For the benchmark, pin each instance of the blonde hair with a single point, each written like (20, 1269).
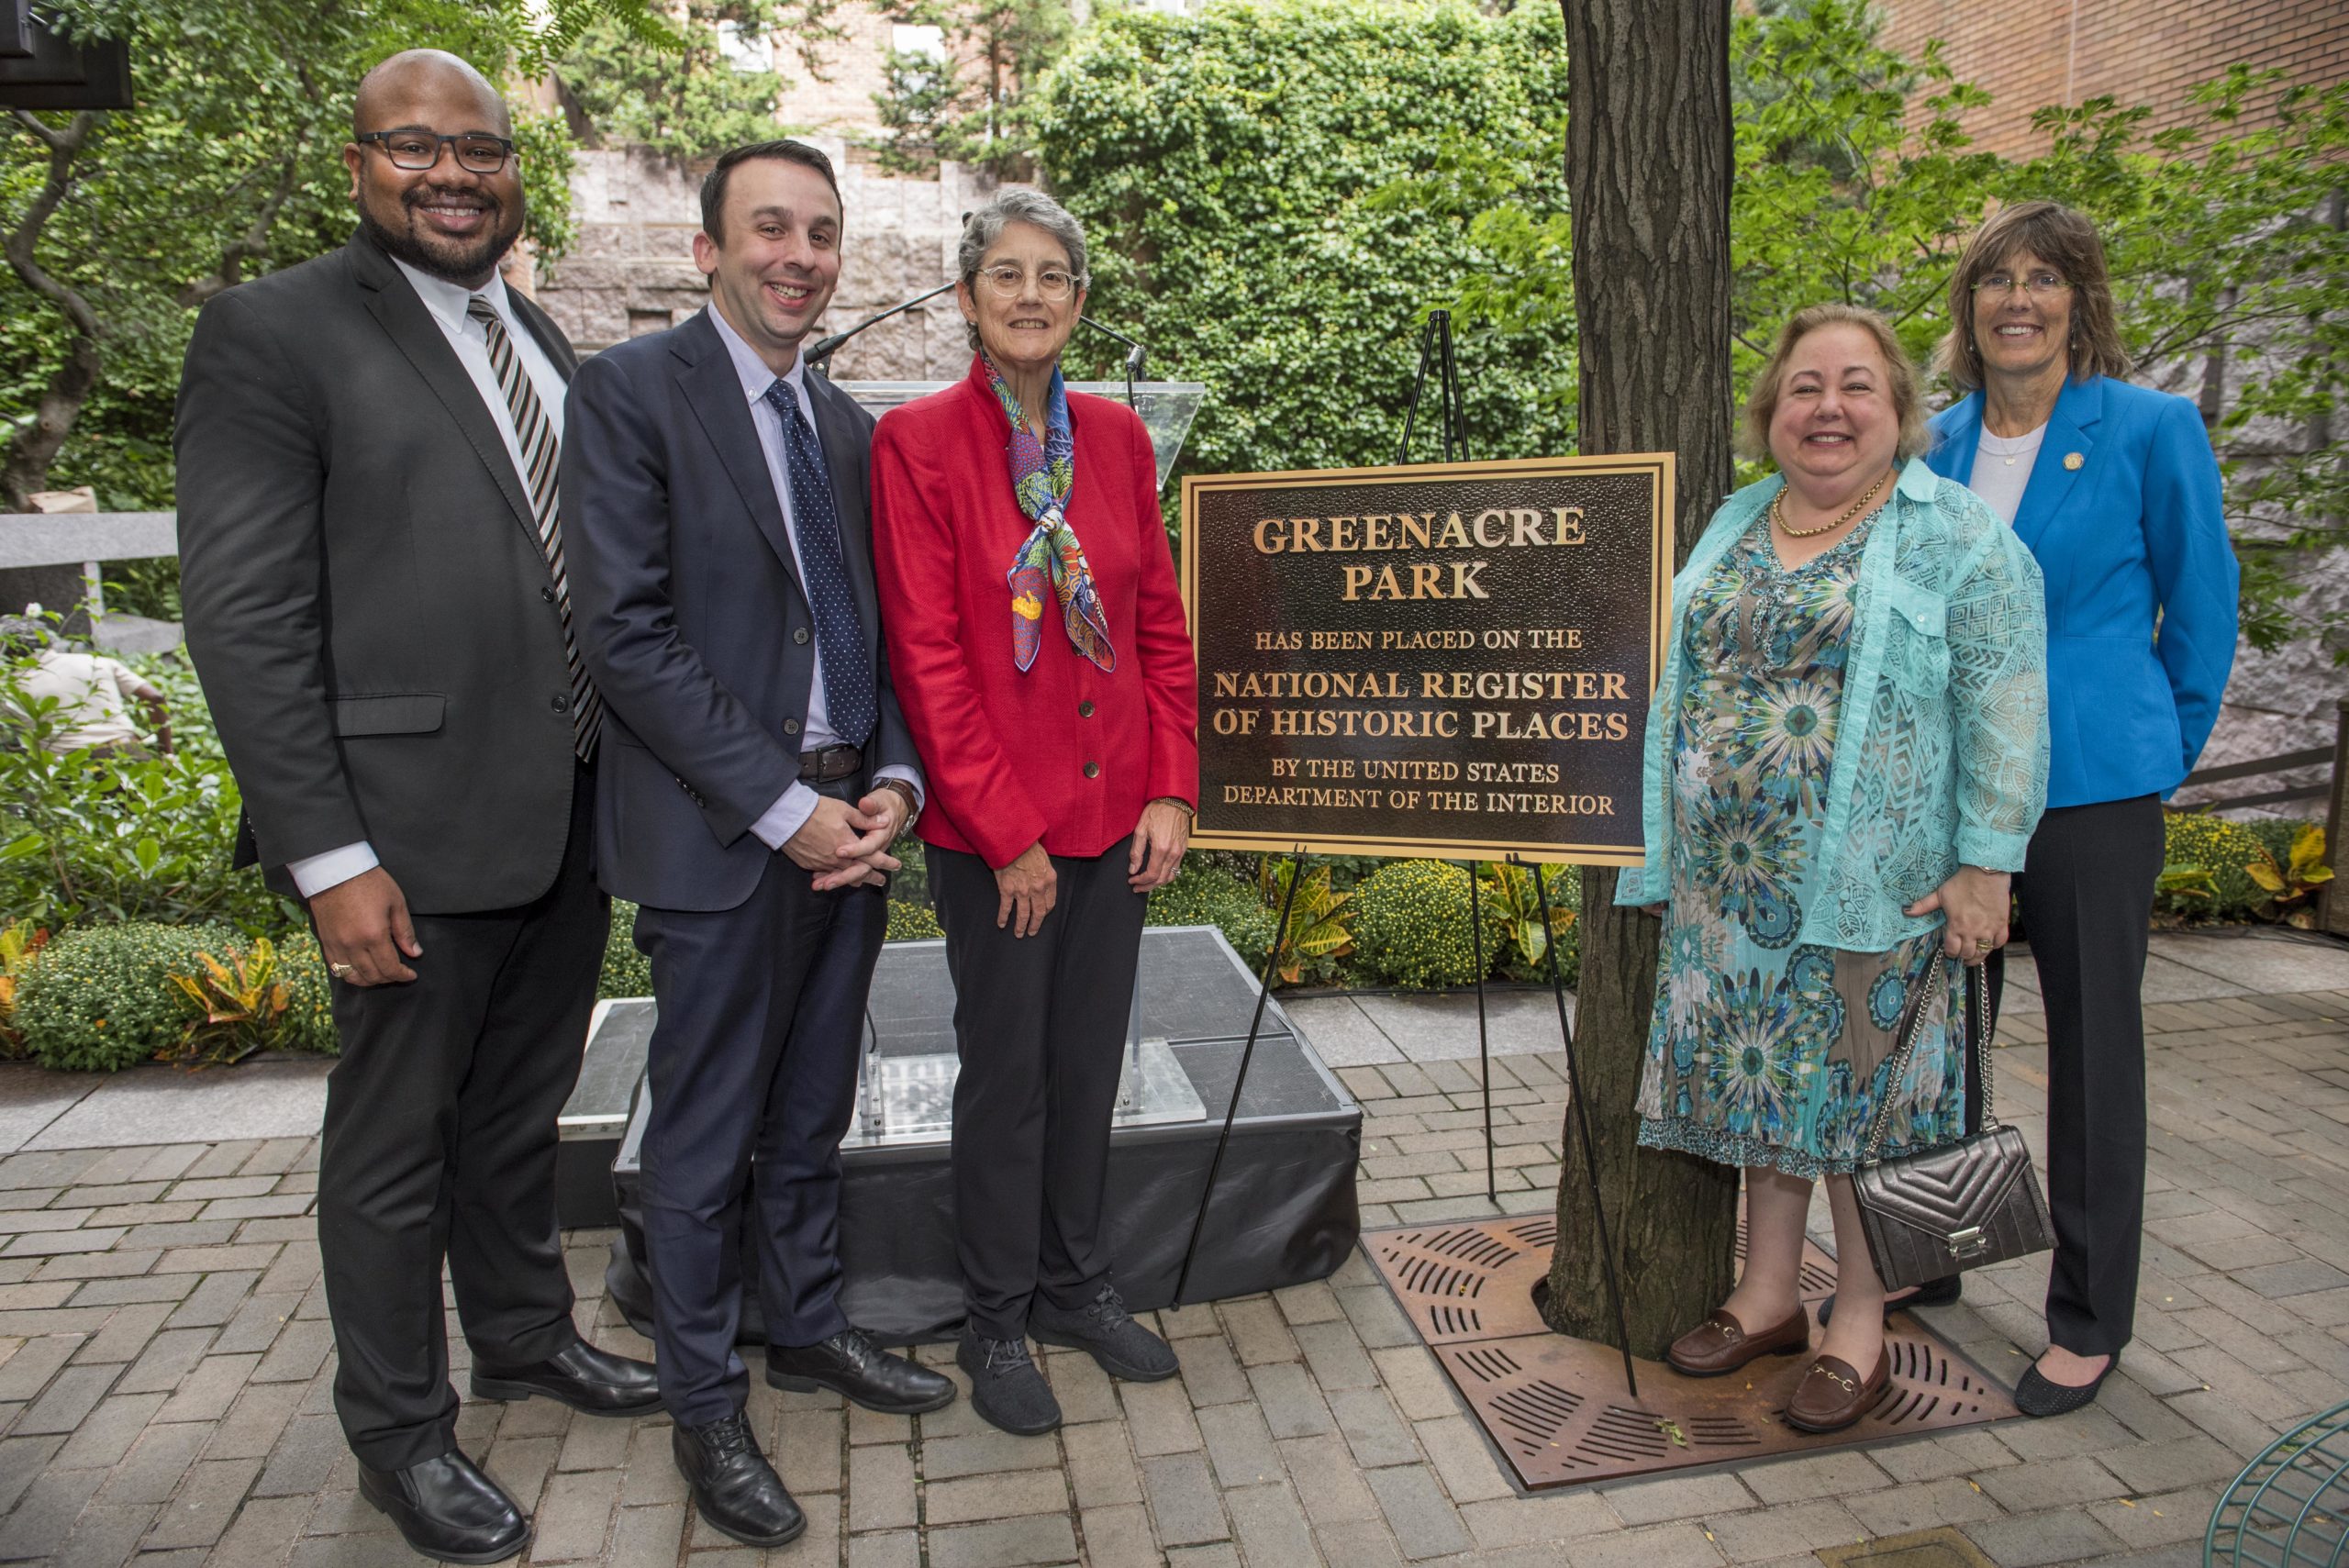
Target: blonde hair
(2066, 241)
(1907, 393)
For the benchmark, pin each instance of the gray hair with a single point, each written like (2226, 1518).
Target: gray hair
(985, 226)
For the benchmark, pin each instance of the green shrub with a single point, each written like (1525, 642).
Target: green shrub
(124, 840)
(101, 997)
(912, 922)
(1225, 165)
(1412, 924)
(308, 1024)
(1205, 894)
(2226, 850)
(2278, 834)
(627, 972)
(910, 881)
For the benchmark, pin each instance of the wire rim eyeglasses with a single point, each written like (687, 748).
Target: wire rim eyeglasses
(2037, 284)
(1007, 282)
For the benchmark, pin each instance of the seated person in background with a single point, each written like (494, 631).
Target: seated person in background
(94, 693)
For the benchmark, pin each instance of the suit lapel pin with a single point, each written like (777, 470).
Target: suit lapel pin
(2074, 461)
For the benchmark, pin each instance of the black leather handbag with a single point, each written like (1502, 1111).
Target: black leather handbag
(1938, 1211)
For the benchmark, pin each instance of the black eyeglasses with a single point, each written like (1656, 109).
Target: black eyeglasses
(478, 152)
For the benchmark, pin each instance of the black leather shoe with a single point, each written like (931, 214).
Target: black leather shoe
(448, 1510)
(733, 1485)
(853, 1366)
(596, 1382)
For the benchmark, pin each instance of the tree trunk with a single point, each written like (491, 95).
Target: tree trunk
(1648, 169)
(24, 464)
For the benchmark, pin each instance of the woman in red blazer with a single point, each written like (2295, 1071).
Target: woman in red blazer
(1037, 644)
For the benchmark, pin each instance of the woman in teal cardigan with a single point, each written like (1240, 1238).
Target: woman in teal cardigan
(1846, 755)
(2115, 490)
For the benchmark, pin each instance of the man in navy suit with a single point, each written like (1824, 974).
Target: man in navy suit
(756, 769)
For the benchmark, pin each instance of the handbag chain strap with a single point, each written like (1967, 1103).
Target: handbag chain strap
(1978, 1030)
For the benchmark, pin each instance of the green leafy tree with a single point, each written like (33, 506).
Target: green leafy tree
(1223, 165)
(715, 88)
(117, 224)
(968, 102)
(1855, 180)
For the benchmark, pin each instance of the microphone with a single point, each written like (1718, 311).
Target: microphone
(1136, 355)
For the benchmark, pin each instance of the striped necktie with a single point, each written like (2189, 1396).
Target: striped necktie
(540, 452)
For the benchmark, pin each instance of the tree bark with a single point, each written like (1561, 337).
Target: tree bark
(1648, 169)
(37, 442)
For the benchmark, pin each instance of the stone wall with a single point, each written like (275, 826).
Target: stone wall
(631, 270)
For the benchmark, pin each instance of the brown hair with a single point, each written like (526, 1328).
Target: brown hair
(1908, 395)
(713, 185)
(2066, 241)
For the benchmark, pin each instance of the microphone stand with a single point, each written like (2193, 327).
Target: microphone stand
(819, 358)
(1135, 356)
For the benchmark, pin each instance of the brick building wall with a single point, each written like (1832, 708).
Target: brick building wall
(2031, 54)
(857, 69)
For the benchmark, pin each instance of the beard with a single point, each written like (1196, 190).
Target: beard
(453, 261)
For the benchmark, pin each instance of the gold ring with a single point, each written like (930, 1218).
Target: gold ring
(339, 970)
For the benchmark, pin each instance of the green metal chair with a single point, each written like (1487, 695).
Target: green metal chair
(2290, 1509)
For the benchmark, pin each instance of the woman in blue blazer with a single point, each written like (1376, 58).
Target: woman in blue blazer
(2114, 489)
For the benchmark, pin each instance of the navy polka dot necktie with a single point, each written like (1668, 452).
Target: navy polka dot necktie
(815, 525)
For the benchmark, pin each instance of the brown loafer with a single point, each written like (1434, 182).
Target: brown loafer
(1720, 1345)
(1832, 1395)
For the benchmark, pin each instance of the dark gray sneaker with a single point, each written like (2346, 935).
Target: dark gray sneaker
(1006, 1388)
(1106, 1332)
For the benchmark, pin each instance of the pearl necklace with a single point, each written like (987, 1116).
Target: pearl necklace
(1778, 512)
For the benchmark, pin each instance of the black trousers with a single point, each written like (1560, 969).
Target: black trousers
(2086, 891)
(440, 1143)
(1040, 1023)
(752, 1074)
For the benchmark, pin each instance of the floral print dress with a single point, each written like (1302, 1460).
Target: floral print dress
(1762, 1052)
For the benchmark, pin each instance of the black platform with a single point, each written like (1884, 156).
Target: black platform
(1284, 1210)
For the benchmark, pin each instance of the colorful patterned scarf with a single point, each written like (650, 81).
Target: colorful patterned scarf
(1042, 475)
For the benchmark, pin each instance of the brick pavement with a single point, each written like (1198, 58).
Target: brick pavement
(165, 1362)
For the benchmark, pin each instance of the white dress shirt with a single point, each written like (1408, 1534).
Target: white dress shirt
(446, 302)
(797, 802)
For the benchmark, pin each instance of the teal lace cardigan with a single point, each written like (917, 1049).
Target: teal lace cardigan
(1940, 755)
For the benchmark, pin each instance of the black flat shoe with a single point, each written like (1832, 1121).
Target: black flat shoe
(2037, 1395)
(1932, 1292)
(594, 1382)
(733, 1485)
(853, 1366)
(448, 1510)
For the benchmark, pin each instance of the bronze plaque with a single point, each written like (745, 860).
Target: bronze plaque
(1451, 659)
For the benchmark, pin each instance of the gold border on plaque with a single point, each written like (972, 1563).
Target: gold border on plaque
(1662, 465)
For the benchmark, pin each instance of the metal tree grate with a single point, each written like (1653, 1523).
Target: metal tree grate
(1555, 1407)
(2287, 1508)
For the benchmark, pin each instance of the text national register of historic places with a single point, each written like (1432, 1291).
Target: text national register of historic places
(1451, 659)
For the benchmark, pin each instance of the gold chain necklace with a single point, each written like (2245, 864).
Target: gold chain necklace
(1778, 512)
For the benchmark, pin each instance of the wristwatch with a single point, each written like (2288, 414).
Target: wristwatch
(913, 801)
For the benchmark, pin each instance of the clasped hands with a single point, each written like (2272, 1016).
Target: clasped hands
(847, 846)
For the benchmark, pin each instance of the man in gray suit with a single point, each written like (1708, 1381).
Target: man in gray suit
(755, 769)
(372, 562)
